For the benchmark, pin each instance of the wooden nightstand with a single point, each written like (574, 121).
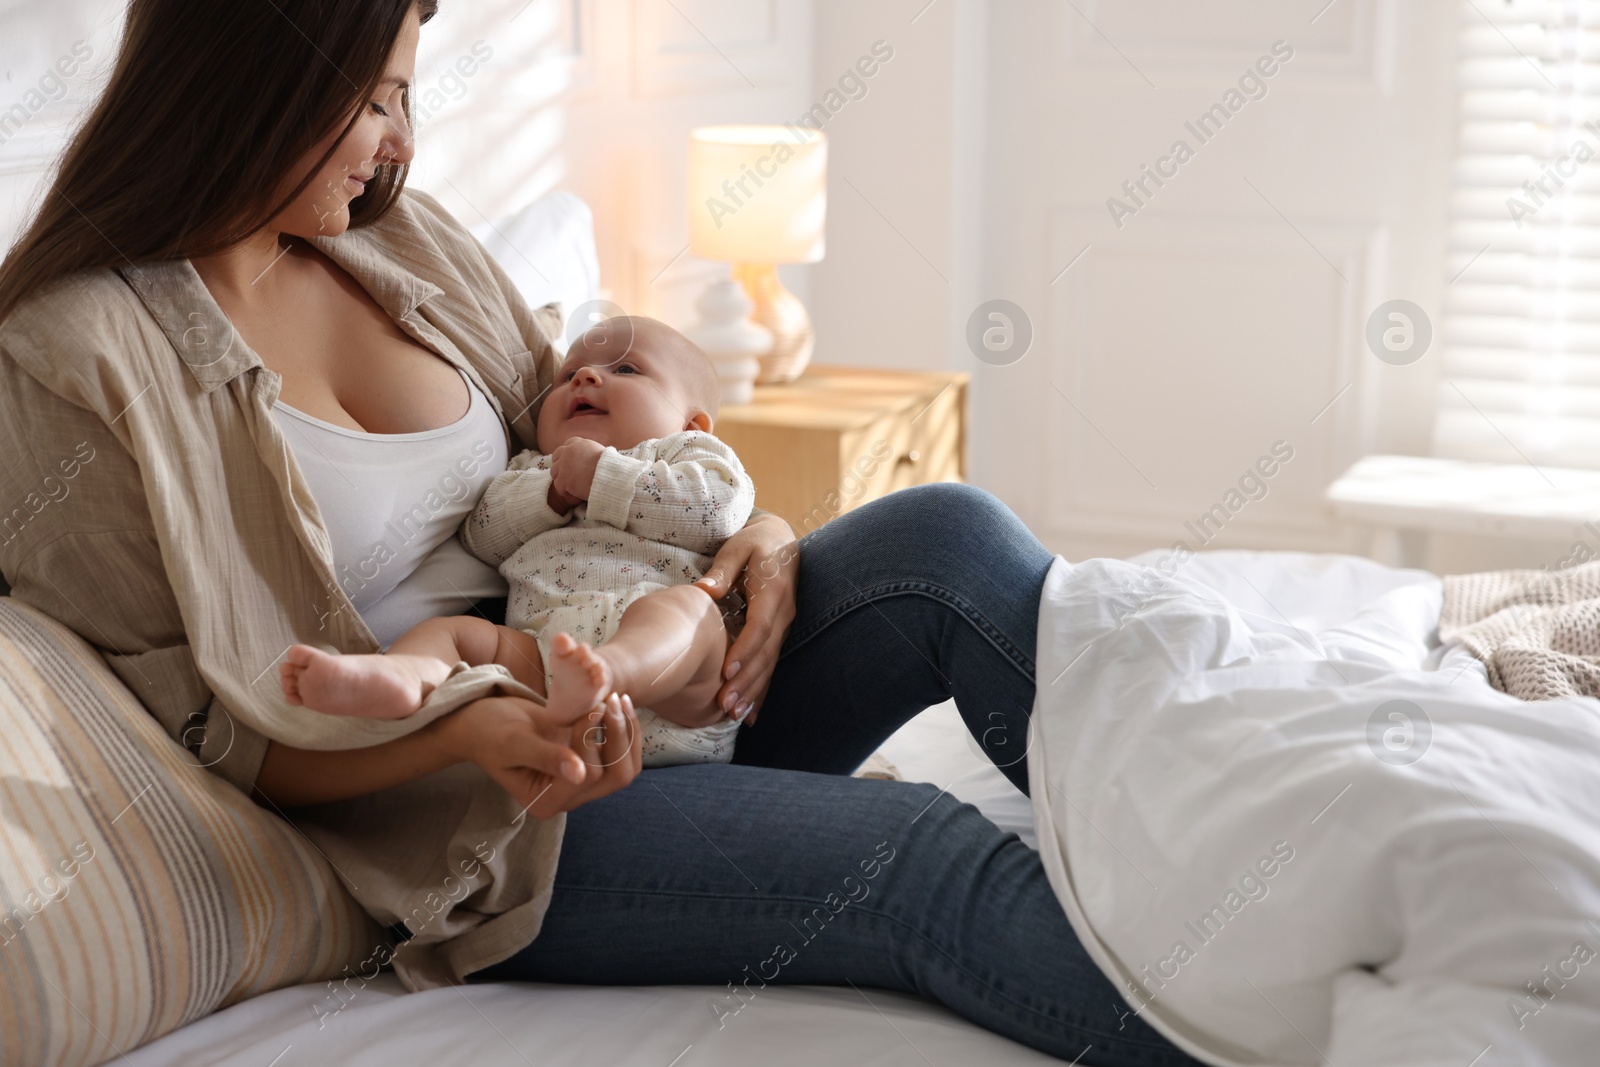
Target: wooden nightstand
(838, 437)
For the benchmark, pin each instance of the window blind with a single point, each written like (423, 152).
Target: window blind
(1521, 330)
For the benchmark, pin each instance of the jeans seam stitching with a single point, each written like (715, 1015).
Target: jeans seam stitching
(975, 618)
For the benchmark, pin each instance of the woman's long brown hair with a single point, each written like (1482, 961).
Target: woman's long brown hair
(210, 107)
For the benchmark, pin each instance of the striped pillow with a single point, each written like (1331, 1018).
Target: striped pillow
(138, 892)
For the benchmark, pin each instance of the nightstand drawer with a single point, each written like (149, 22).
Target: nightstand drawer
(933, 441)
(839, 437)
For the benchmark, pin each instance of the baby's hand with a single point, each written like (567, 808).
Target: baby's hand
(572, 467)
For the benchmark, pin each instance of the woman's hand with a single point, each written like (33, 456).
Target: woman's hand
(763, 560)
(547, 768)
(607, 740)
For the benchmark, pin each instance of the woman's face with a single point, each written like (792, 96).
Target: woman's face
(380, 135)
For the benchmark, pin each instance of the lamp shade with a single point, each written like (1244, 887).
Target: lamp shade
(757, 194)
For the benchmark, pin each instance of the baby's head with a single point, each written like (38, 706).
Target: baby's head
(628, 380)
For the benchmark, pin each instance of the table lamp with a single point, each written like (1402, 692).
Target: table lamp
(757, 198)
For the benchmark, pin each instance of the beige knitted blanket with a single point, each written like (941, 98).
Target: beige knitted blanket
(1538, 632)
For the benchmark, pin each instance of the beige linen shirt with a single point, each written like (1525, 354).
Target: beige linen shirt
(149, 502)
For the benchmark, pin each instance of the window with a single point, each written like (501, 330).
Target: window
(1521, 330)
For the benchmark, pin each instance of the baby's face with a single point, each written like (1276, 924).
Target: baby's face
(621, 384)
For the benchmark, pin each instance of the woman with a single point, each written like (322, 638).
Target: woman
(228, 296)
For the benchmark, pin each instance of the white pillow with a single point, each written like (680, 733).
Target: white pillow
(548, 250)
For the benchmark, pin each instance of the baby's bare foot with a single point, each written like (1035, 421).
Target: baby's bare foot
(372, 687)
(579, 679)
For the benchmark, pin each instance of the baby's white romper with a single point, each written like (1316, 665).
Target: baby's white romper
(656, 515)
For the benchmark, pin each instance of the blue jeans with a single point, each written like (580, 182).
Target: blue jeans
(781, 869)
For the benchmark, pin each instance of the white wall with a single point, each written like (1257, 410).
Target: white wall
(596, 96)
(1216, 321)
(896, 244)
(38, 105)
(974, 164)
(599, 96)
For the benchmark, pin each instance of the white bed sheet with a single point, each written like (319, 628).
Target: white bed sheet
(554, 1026)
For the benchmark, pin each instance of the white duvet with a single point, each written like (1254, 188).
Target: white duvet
(1304, 839)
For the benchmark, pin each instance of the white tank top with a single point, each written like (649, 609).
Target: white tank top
(392, 503)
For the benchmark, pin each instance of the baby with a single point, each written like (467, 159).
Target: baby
(599, 534)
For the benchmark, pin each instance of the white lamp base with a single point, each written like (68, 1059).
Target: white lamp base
(781, 312)
(734, 344)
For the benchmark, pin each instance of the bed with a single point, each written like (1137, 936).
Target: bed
(662, 1026)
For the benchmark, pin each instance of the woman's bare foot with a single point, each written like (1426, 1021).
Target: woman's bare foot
(580, 678)
(369, 686)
